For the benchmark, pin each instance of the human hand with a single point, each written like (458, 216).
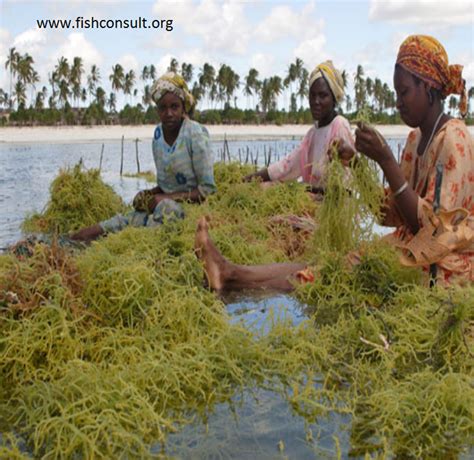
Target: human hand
(141, 200)
(345, 151)
(371, 143)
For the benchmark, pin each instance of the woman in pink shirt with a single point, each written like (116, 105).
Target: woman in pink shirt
(310, 159)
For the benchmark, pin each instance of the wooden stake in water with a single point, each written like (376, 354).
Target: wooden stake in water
(121, 158)
(136, 155)
(101, 156)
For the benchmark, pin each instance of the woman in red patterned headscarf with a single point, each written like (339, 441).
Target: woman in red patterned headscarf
(435, 224)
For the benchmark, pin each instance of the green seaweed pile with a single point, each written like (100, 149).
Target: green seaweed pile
(106, 352)
(78, 198)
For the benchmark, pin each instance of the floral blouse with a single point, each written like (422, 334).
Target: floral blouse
(310, 159)
(452, 146)
(187, 164)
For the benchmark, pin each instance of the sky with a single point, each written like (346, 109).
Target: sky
(267, 35)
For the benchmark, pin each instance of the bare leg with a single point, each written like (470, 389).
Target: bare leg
(88, 234)
(223, 274)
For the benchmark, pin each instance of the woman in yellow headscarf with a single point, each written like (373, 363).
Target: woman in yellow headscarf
(183, 160)
(309, 160)
(440, 241)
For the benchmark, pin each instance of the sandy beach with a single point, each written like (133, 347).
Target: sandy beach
(82, 134)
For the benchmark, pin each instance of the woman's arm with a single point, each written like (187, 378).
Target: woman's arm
(371, 143)
(262, 175)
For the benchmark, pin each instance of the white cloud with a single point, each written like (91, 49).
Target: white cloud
(31, 41)
(312, 51)
(5, 39)
(264, 63)
(129, 62)
(162, 65)
(427, 12)
(220, 25)
(284, 22)
(77, 45)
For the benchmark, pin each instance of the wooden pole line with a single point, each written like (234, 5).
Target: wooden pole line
(121, 158)
(101, 156)
(136, 154)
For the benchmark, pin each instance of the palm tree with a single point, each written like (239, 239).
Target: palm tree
(64, 92)
(100, 97)
(378, 94)
(470, 94)
(61, 79)
(197, 92)
(152, 72)
(251, 83)
(452, 104)
(52, 79)
(34, 79)
(389, 100)
(20, 94)
(4, 98)
(369, 88)
(359, 88)
(206, 79)
(93, 79)
(303, 88)
(26, 73)
(39, 103)
(187, 72)
(265, 95)
(117, 78)
(12, 62)
(290, 78)
(128, 84)
(227, 83)
(344, 79)
(348, 103)
(147, 100)
(62, 69)
(173, 67)
(111, 102)
(145, 75)
(75, 76)
(276, 87)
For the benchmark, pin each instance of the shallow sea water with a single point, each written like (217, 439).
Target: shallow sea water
(260, 419)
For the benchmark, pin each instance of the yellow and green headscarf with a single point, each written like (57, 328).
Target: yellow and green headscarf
(425, 57)
(172, 83)
(332, 76)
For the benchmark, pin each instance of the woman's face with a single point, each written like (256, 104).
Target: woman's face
(412, 97)
(171, 111)
(321, 101)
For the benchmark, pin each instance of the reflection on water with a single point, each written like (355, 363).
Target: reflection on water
(259, 424)
(26, 171)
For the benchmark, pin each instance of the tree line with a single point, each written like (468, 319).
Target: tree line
(77, 97)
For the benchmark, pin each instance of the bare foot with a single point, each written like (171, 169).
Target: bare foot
(214, 262)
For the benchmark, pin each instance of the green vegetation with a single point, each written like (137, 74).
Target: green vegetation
(79, 98)
(106, 351)
(78, 199)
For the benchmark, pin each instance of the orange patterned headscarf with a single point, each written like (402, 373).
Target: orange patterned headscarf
(425, 57)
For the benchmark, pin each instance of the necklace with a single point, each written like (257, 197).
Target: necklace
(432, 134)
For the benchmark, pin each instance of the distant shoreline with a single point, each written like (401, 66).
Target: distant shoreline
(85, 134)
